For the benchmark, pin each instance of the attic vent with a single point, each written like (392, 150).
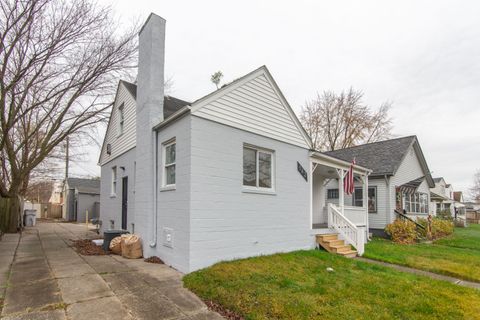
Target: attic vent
(109, 149)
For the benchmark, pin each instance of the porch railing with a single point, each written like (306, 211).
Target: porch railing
(351, 233)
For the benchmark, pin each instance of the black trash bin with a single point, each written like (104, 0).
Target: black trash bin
(108, 236)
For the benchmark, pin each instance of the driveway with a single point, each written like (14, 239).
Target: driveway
(42, 277)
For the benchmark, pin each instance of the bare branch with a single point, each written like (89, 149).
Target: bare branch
(60, 62)
(336, 121)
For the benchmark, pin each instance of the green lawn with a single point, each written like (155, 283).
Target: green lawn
(297, 286)
(457, 255)
(468, 238)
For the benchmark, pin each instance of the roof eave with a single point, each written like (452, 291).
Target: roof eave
(175, 116)
(323, 156)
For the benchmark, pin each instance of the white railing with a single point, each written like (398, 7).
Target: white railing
(350, 232)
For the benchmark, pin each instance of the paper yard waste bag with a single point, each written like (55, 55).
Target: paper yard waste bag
(116, 244)
(132, 247)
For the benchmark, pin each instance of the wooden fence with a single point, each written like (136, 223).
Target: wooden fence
(10, 222)
(54, 211)
(473, 217)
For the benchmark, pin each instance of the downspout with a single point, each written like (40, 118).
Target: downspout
(367, 224)
(389, 200)
(153, 244)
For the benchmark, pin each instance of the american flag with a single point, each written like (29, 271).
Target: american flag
(348, 182)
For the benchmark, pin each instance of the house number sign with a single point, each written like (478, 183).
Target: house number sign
(302, 171)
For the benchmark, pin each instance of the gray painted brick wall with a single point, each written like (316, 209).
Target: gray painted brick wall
(226, 223)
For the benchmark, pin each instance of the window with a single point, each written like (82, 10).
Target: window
(332, 194)
(169, 162)
(114, 181)
(121, 118)
(416, 202)
(372, 198)
(257, 168)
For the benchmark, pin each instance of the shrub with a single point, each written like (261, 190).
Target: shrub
(440, 227)
(402, 231)
(444, 215)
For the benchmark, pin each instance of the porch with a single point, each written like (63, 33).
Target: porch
(332, 210)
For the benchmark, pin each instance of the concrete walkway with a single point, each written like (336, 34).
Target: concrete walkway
(44, 278)
(432, 275)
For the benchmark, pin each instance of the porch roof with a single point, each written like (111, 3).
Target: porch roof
(323, 159)
(435, 196)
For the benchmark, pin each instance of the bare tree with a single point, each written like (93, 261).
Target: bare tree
(475, 189)
(59, 66)
(40, 191)
(336, 121)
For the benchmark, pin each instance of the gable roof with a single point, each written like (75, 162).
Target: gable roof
(384, 157)
(437, 180)
(91, 186)
(170, 104)
(237, 83)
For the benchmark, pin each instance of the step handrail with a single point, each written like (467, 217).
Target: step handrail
(350, 232)
(403, 216)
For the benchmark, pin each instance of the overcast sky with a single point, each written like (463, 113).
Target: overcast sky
(424, 56)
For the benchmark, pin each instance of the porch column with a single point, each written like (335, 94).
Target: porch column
(341, 200)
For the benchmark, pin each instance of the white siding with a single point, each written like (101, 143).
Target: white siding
(410, 169)
(111, 206)
(257, 107)
(227, 223)
(375, 220)
(126, 141)
(378, 220)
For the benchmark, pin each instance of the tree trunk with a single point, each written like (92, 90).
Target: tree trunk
(10, 214)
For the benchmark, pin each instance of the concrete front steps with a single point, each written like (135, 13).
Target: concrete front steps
(332, 244)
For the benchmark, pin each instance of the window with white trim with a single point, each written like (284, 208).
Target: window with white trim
(372, 199)
(258, 168)
(121, 118)
(416, 202)
(113, 190)
(169, 163)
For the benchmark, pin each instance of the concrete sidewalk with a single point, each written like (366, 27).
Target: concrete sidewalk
(47, 279)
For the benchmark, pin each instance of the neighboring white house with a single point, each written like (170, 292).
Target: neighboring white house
(400, 179)
(227, 176)
(442, 197)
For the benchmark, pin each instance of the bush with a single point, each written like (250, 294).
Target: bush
(445, 215)
(440, 227)
(402, 231)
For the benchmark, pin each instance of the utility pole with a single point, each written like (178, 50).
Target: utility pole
(66, 158)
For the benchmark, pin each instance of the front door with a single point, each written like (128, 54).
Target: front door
(124, 202)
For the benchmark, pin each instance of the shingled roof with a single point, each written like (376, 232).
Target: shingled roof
(383, 157)
(170, 104)
(91, 186)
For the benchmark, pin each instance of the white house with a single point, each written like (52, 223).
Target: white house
(227, 176)
(400, 180)
(441, 196)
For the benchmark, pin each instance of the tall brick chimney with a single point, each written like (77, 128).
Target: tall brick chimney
(150, 95)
